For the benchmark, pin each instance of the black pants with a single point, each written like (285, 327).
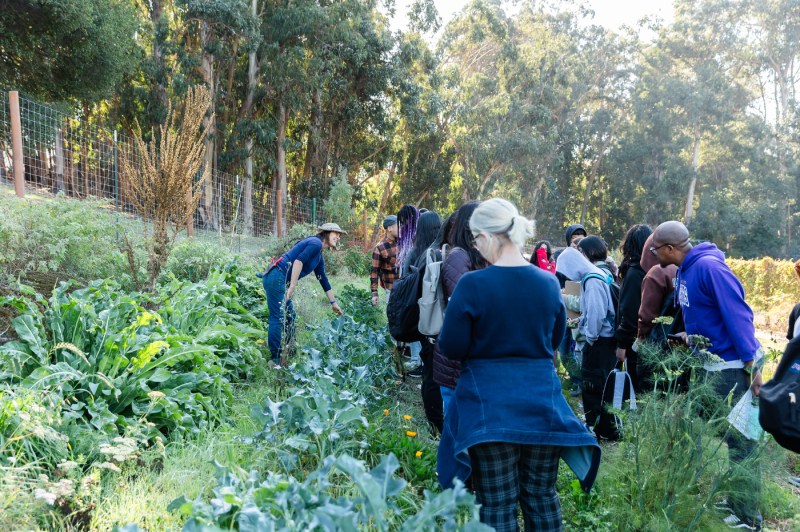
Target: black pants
(431, 395)
(641, 374)
(598, 361)
(745, 496)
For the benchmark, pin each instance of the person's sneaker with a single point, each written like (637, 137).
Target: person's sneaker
(722, 506)
(734, 522)
(794, 481)
(416, 372)
(275, 363)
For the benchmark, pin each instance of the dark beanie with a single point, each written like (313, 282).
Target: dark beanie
(389, 221)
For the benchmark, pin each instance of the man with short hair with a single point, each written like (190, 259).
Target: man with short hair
(384, 259)
(713, 304)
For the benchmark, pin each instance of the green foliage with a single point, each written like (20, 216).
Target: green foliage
(358, 261)
(67, 49)
(672, 464)
(338, 207)
(124, 369)
(27, 433)
(282, 502)
(192, 260)
(357, 302)
(417, 456)
(63, 239)
(276, 246)
(332, 391)
(767, 281)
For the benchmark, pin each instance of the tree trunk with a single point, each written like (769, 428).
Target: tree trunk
(3, 169)
(58, 184)
(85, 150)
(280, 159)
(207, 67)
(247, 189)
(384, 201)
(160, 89)
(72, 187)
(44, 156)
(315, 159)
(693, 183)
(589, 184)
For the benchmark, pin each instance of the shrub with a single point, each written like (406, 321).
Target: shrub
(192, 260)
(672, 465)
(358, 261)
(766, 280)
(66, 238)
(338, 207)
(275, 246)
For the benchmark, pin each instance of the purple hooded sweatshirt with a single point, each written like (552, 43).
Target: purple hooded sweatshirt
(713, 305)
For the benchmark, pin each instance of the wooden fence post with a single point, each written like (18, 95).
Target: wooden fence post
(16, 144)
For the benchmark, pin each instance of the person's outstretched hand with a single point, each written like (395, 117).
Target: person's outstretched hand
(755, 386)
(337, 309)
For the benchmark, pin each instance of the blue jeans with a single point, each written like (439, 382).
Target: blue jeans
(275, 287)
(570, 360)
(447, 396)
(416, 348)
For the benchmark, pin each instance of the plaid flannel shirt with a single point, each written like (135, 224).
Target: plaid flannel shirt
(384, 269)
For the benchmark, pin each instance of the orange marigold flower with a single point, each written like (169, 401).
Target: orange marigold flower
(407, 417)
(419, 454)
(386, 412)
(411, 434)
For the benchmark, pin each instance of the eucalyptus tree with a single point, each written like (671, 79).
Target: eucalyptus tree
(535, 99)
(66, 50)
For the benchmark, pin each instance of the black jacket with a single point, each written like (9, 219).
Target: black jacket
(456, 264)
(630, 298)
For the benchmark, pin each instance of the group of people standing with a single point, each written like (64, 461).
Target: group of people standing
(489, 381)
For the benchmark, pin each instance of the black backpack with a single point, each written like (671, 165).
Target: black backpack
(779, 401)
(402, 311)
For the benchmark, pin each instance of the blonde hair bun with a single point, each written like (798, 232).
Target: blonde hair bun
(498, 216)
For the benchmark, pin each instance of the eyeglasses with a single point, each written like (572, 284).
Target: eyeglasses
(654, 249)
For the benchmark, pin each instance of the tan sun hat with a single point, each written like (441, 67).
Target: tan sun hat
(330, 226)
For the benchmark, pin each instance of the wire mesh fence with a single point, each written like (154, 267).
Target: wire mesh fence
(65, 153)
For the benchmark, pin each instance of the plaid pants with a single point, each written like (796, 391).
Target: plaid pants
(507, 474)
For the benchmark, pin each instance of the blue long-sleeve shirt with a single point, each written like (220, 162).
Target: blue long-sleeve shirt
(504, 323)
(503, 312)
(309, 252)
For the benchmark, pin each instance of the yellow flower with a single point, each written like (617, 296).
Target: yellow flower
(407, 417)
(386, 412)
(411, 434)
(259, 341)
(419, 454)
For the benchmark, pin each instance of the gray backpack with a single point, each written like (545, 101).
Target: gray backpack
(432, 303)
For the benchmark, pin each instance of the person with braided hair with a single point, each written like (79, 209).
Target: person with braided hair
(407, 221)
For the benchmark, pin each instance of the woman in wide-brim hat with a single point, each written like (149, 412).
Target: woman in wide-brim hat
(281, 279)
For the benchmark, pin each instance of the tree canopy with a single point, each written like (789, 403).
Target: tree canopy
(539, 104)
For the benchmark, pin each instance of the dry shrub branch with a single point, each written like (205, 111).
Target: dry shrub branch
(165, 178)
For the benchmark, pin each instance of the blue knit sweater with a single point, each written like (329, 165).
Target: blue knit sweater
(504, 323)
